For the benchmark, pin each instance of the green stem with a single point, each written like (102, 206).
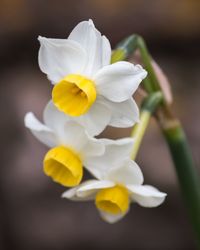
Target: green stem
(146, 58)
(148, 107)
(139, 131)
(186, 172)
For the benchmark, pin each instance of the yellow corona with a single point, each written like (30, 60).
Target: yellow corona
(74, 95)
(63, 166)
(114, 200)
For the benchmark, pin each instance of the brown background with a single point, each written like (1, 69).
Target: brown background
(32, 214)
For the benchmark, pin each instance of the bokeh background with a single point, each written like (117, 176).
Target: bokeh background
(32, 214)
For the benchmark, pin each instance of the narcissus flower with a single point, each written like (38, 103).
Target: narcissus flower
(71, 146)
(119, 184)
(86, 86)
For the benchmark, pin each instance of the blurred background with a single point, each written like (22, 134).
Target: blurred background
(32, 214)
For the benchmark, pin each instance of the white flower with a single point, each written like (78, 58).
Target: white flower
(71, 146)
(119, 184)
(87, 87)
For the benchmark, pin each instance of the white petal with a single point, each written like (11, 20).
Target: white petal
(124, 114)
(146, 196)
(39, 130)
(111, 218)
(118, 81)
(71, 133)
(93, 147)
(116, 151)
(91, 187)
(60, 57)
(54, 118)
(129, 173)
(96, 119)
(71, 194)
(97, 47)
(106, 51)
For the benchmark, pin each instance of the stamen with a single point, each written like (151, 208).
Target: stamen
(76, 90)
(83, 94)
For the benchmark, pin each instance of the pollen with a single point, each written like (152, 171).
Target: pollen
(63, 166)
(74, 95)
(83, 94)
(114, 200)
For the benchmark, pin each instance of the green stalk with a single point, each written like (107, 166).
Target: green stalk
(186, 172)
(146, 58)
(139, 131)
(148, 107)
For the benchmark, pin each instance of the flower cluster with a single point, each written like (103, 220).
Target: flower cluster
(88, 94)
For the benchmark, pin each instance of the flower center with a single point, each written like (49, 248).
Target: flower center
(63, 166)
(74, 95)
(114, 200)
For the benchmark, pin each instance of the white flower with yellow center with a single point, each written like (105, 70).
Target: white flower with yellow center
(119, 184)
(86, 86)
(71, 146)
